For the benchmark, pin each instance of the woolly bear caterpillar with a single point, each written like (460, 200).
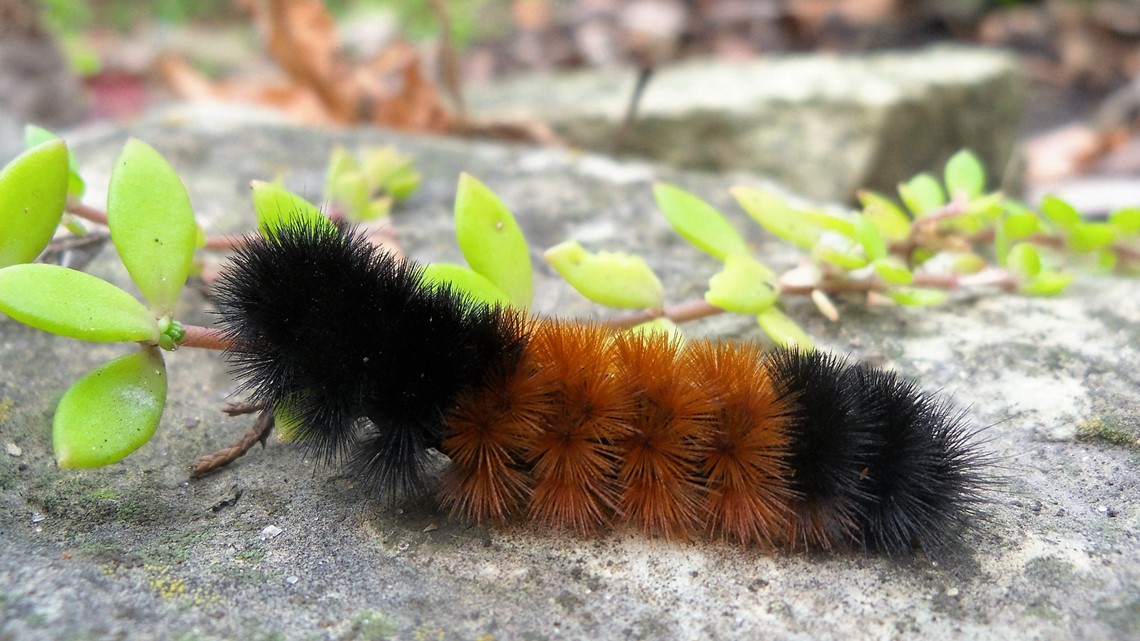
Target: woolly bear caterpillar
(572, 426)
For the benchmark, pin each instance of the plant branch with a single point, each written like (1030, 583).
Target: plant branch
(257, 434)
(87, 212)
(926, 225)
(99, 217)
(204, 338)
(225, 243)
(696, 309)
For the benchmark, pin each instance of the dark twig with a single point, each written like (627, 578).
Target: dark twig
(643, 76)
(448, 58)
(75, 252)
(258, 434)
(242, 408)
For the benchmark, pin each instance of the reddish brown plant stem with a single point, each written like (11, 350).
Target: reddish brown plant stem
(257, 434)
(203, 337)
(696, 309)
(86, 212)
(925, 225)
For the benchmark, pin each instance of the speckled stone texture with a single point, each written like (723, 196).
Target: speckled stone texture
(134, 551)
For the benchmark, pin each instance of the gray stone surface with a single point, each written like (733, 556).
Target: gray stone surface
(134, 551)
(823, 124)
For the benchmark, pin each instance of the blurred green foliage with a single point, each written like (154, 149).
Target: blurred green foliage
(417, 18)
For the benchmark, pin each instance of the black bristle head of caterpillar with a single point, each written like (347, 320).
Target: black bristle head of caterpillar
(348, 341)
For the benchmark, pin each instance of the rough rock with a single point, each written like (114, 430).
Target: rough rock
(825, 125)
(136, 551)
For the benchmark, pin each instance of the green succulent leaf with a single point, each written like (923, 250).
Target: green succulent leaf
(286, 421)
(72, 303)
(33, 193)
(1104, 261)
(658, 325)
(390, 171)
(345, 183)
(152, 223)
(843, 255)
(73, 225)
(351, 192)
(1090, 237)
(610, 279)
(1023, 260)
(892, 221)
(830, 222)
(35, 136)
(170, 333)
(277, 206)
(967, 263)
(698, 222)
(1046, 284)
(1002, 241)
(988, 207)
(381, 163)
(403, 185)
(1059, 212)
(893, 270)
(965, 174)
(110, 412)
(742, 286)
(377, 209)
(964, 223)
(1021, 225)
(922, 254)
(491, 240)
(465, 281)
(922, 194)
(341, 162)
(874, 246)
(775, 215)
(1126, 221)
(783, 330)
(916, 296)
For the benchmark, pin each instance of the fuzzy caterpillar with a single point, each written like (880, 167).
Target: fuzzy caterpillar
(572, 426)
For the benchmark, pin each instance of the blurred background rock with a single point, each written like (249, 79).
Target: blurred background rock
(1080, 58)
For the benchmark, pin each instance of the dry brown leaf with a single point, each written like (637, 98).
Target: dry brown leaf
(301, 37)
(1062, 152)
(298, 103)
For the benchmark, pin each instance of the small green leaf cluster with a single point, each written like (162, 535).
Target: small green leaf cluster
(364, 187)
(115, 408)
(499, 269)
(744, 285)
(935, 232)
(909, 253)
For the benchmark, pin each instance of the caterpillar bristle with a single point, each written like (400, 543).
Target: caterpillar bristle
(328, 327)
(573, 454)
(490, 428)
(828, 449)
(922, 479)
(571, 426)
(660, 472)
(745, 467)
